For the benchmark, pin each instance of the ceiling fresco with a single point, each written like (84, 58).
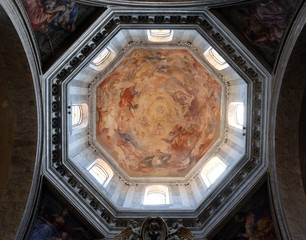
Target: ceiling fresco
(158, 112)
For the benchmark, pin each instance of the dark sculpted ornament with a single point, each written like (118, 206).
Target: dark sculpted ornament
(155, 229)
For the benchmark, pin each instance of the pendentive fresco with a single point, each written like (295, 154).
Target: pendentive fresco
(262, 24)
(57, 23)
(56, 220)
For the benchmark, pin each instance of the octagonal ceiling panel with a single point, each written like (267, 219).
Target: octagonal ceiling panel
(158, 112)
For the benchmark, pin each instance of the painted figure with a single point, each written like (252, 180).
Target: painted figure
(42, 13)
(53, 226)
(258, 225)
(66, 20)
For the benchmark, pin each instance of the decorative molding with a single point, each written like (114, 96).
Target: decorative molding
(246, 169)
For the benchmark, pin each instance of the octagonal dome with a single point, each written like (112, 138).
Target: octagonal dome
(158, 112)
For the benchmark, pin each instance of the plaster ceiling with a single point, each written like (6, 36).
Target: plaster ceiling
(158, 112)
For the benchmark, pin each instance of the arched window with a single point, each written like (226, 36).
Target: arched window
(104, 54)
(76, 112)
(79, 116)
(156, 195)
(160, 35)
(101, 171)
(98, 173)
(215, 59)
(105, 57)
(212, 170)
(236, 114)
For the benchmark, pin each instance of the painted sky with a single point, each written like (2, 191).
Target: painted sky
(158, 112)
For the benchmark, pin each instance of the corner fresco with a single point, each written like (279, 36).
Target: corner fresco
(158, 113)
(253, 221)
(56, 23)
(55, 220)
(262, 24)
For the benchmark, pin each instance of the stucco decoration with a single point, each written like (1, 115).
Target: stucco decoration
(158, 112)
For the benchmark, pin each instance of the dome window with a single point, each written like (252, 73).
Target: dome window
(76, 112)
(156, 195)
(162, 35)
(236, 114)
(101, 171)
(212, 170)
(102, 57)
(215, 59)
(99, 174)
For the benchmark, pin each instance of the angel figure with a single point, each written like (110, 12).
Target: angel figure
(179, 233)
(130, 233)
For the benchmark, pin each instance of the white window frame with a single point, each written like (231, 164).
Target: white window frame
(93, 171)
(215, 59)
(103, 165)
(154, 37)
(209, 167)
(233, 119)
(103, 63)
(153, 189)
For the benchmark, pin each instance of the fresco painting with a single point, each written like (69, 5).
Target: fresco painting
(158, 112)
(253, 221)
(55, 221)
(263, 24)
(55, 23)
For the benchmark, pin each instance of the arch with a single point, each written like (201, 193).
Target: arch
(21, 124)
(286, 177)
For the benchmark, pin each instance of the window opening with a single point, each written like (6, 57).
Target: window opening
(160, 35)
(102, 56)
(215, 173)
(212, 170)
(76, 111)
(236, 114)
(215, 59)
(98, 173)
(156, 195)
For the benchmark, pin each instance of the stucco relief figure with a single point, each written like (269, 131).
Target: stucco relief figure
(258, 225)
(158, 112)
(130, 233)
(178, 232)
